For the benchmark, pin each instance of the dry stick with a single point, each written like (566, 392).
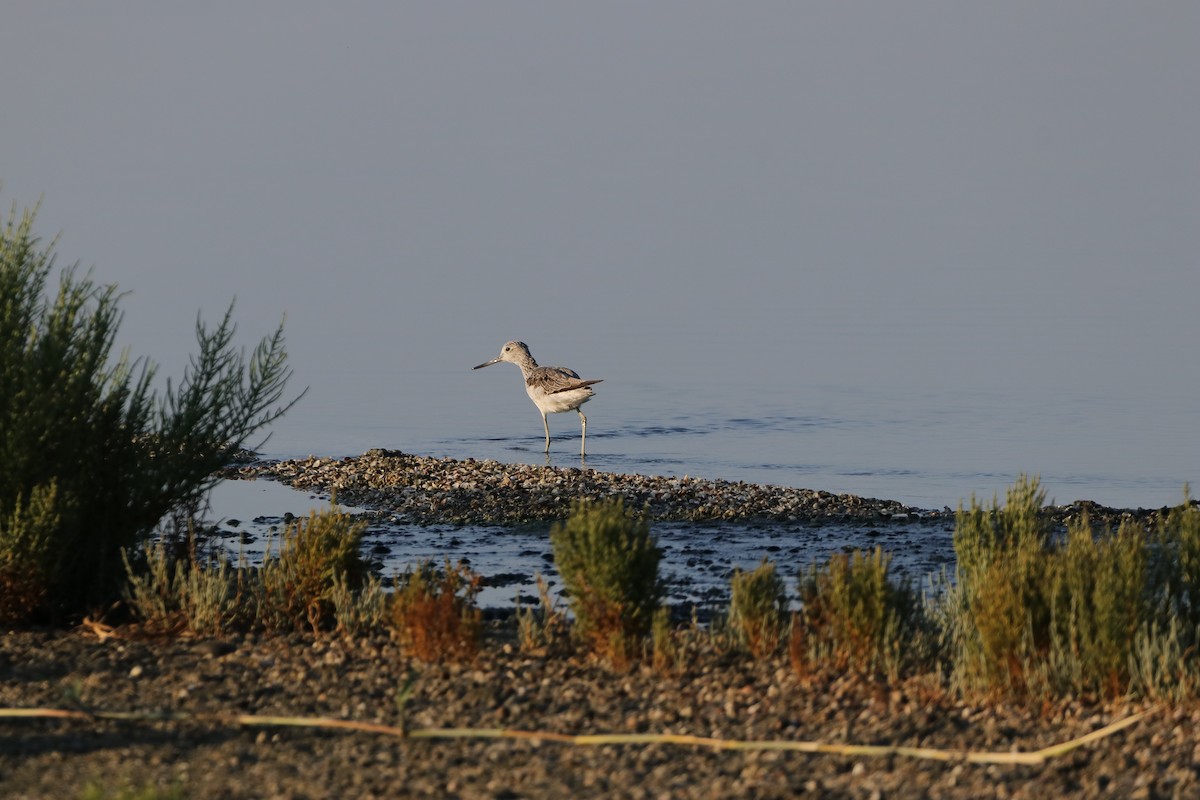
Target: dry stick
(592, 740)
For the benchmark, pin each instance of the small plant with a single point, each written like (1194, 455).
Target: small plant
(667, 652)
(1175, 563)
(1090, 612)
(758, 608)
(854, 617)
(25, 552)
(170, 595)
(609, 563)
(540, 629)
(434, 615)
(298, 586)
(358, 611)
(1002, 605)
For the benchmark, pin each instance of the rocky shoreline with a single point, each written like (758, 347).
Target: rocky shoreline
(427, 490)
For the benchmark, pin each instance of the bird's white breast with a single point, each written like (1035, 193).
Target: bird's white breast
(558, 402)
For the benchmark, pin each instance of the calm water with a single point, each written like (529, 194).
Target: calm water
(925, 448)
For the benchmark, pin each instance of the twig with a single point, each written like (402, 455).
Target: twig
(590, 740)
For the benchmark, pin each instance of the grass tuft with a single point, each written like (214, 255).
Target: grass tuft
(1002, 601)
(358, 611)
(667, 651)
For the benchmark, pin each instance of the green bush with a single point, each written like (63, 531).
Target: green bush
(667, 653)
(91, 457)
(25, 542)
(1097, 586)
(609, 564)
(854, 617)
(758, 608)
(1163, 660)
(1088, 612)
(1175, 563)
(358, 610)
(317, 580)
(1001, 607)
(318, 562)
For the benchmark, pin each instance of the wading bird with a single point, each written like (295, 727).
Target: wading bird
(552, 389)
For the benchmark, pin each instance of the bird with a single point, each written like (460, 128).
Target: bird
(552, 389)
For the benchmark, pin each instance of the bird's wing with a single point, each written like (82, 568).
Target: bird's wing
(556, 379)
(575, 385)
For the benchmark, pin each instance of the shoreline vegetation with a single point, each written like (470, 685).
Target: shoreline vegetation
(1034, 607)
(301, 673)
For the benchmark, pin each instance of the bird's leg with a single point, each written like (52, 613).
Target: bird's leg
(546, 425)
(583, 438)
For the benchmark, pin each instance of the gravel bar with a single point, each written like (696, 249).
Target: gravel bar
(426, 490)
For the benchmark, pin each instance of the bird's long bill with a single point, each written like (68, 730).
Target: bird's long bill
(487, 363)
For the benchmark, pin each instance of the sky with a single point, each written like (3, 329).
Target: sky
(912, 195)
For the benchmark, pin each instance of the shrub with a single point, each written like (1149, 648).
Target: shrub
(1163, 662)
(358, 610)
(25, 541)
(316, 580)
(1089, 612)
(609, 564)
(1001, 608)
(299, 586)
(86, 446)
(171, 595)
(757, 608)
(434, 614)
(853, 616)
(1175, 563)
(1099, 601)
